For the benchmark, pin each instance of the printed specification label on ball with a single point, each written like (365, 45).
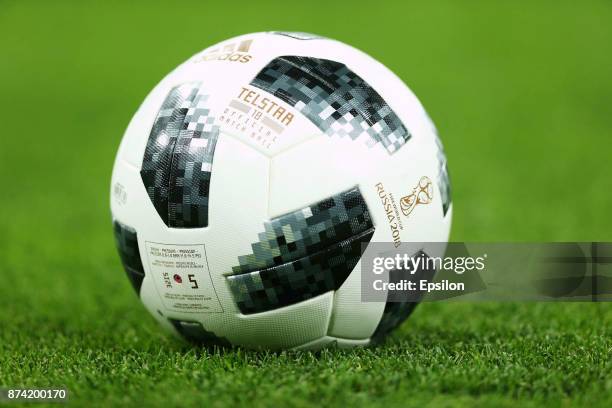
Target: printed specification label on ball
(182, 278)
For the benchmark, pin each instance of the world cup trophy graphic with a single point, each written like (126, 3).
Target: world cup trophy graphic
(421, 194)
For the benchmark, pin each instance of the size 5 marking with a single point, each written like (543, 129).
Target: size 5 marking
(182, 278)
(33, 394)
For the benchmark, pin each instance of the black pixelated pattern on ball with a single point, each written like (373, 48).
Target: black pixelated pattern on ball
(308, 230)
(191, 166)
(303, 254)
(298, 280)
(444, 184)
(334, 98)
(126, 240)
(177, 163)
(155, 171)
(195, 333)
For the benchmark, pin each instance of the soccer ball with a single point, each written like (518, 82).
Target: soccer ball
(252, 176)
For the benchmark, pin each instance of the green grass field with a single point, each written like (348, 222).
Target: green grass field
(521, 93)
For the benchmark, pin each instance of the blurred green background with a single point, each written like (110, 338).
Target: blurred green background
(521, 93)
